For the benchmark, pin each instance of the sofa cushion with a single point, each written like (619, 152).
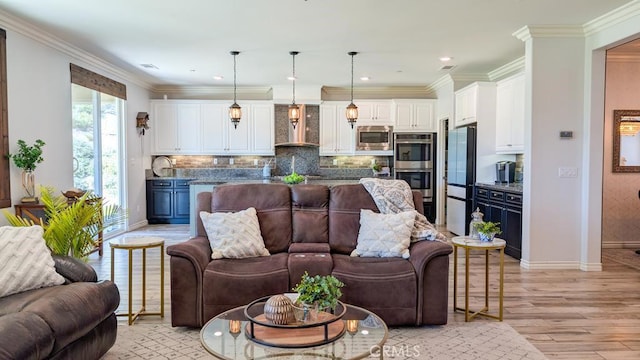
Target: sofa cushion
(25, 260)
(310, 211)
(234, 235)
(365, 277)
(272, 202)
(384, 235)
(71, 311)
(345, 203)
(228, 283)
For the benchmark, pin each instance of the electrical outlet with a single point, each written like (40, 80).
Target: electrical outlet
(373, 161)
(173, 161)
(231, 161)
(335, 162)
(255, 161)
(215, 161)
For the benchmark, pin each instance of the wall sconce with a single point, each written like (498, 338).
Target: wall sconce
(142, 120)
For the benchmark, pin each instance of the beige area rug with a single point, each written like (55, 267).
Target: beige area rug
(622, 256)
(474, 340)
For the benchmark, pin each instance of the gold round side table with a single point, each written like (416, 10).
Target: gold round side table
(137, 243)
(469, 244)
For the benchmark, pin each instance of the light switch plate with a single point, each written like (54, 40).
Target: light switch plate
(567, 172)
(231, 161)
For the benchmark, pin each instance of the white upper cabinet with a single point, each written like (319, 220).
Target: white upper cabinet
(263, 129)
(510, 115)
(204, 127)
(374, 112)
(336, 135)
(177, 128)
(414, 116)
(474, 103)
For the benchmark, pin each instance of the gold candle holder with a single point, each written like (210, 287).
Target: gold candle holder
(235, 326)
(352, 327)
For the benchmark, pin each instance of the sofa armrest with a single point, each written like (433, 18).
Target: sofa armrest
(74, 270)
(197, 250)
(421, 252)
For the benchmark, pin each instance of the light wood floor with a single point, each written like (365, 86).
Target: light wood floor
(567, 314)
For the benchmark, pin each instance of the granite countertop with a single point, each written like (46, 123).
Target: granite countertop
(273, 180)
(511, 187)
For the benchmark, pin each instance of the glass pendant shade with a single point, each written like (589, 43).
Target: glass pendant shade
(294, 114)
(352, 114)
(235, 114)
(235, 111)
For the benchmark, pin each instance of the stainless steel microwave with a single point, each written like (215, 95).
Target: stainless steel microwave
(374, 138)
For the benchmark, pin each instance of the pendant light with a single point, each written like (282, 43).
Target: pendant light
(294, 110)
(235, 111)
(352, 109)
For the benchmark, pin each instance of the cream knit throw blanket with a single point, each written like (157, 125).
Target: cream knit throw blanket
(394, 196)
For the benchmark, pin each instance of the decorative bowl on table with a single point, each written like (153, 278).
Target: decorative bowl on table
(293, 179)
(74, 193)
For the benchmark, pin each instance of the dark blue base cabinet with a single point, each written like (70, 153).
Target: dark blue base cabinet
(506, 208)
(168, 201)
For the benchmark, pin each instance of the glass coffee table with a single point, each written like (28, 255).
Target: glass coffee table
(225, 336)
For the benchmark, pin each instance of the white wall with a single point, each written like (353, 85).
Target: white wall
(39, 107)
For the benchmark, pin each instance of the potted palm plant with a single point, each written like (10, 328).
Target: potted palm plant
(72, 227)
(27, 157)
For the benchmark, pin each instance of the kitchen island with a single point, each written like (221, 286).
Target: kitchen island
(200, 185)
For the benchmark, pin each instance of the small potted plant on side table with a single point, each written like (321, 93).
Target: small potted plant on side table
(487, 230)
(26, 159)
(318, 293)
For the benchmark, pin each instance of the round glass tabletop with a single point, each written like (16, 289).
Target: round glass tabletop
(225, 337)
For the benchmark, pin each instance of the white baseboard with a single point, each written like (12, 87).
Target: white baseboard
(560, 265)
(138, 225)
(621, 245)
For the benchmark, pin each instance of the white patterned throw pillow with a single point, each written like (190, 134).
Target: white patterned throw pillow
(25, 261)
(384, 235)
(234, 235)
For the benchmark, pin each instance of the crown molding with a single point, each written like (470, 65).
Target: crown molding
(212, 92)
(13, 23)
(443, 81)
(549, 31)
(613, 17)
(379, 92)
(503, 71)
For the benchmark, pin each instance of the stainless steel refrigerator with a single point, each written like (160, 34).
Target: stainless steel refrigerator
(461, 176)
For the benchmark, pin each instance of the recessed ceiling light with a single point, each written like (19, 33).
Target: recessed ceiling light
(365, 78)
(446, 58)
(218, 77)
(193, 70)
(292, 78)
(149, 66)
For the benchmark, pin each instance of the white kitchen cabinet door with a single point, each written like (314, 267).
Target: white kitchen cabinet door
(474, 103)
(165, 117)
(188, 129)
(214, 128)
(510, 115)
(336, 135)
(239, 138)
(414, 116)
(374, 112)
(263, 134)
(177, 129)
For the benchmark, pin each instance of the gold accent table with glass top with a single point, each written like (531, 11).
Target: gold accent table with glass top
(469, 244)
(137, 243)
(225, 337)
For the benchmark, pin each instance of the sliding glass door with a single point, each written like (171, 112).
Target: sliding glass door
(98, 144)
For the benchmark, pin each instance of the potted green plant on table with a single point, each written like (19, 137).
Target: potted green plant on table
(487, 230)
(27, 157)
(319, 293)
(72, 227)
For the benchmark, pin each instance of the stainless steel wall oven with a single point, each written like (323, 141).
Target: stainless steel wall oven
(414, 161)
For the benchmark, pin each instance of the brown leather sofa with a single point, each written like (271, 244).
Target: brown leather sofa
(75, 320)
(310, 228)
